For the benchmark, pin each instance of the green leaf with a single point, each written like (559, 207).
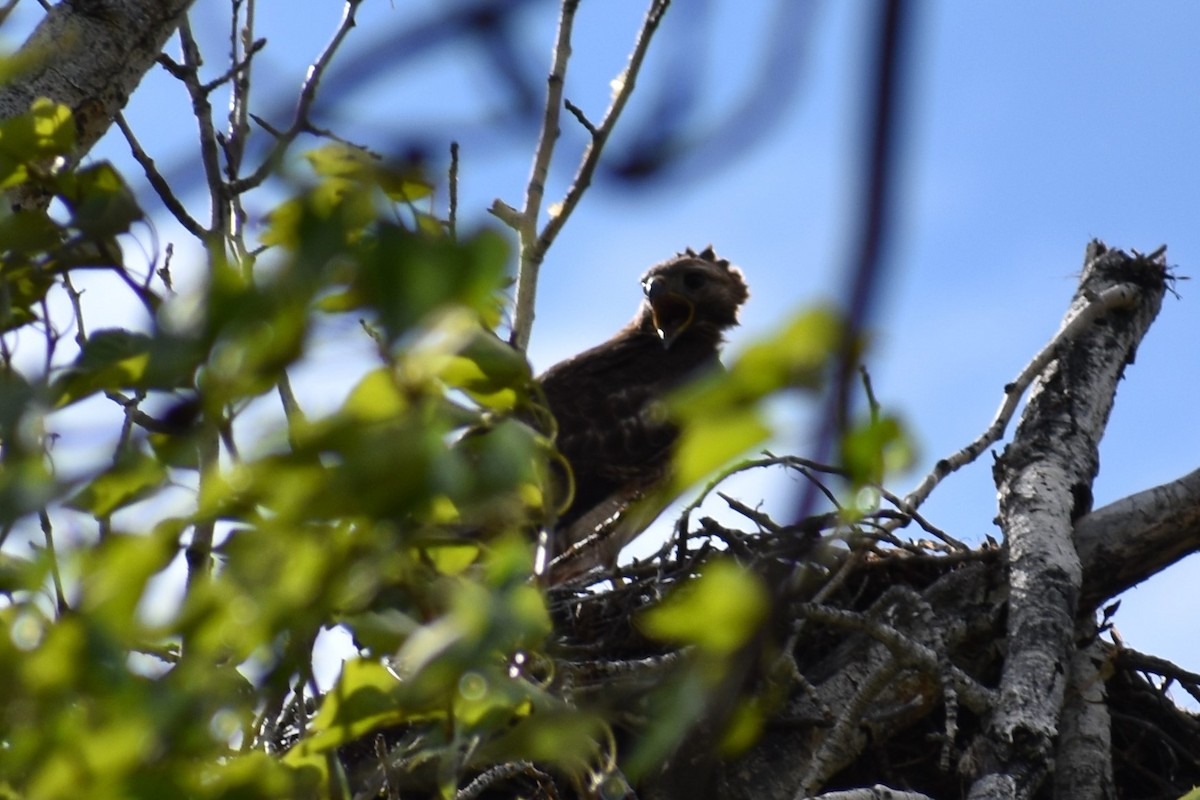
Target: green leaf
(568, 738)
(134, 478)
(45, 131)
(15, 573)
(405, 186)
(707, 443)
(375, 398)
(110, 360)
(490, 371)
(718, 611)
(381, 632)
(116, 573)
(101, 203)
(283, 224)
(405, 277)
(22, 288)
(874, 449)
(363, 700)
(29, 232)
(339, 160)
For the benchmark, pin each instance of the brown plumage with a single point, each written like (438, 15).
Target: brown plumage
(610, 428)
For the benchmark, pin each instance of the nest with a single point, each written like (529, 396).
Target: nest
(916, 739)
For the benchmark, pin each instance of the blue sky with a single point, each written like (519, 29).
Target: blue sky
(1028, 129)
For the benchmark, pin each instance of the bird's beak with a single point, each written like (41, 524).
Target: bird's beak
(672, 312)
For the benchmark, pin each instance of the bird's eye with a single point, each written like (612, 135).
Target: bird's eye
(694, 280)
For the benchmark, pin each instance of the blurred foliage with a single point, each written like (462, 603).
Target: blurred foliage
(406, 515)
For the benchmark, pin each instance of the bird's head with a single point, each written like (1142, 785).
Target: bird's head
(693, 292)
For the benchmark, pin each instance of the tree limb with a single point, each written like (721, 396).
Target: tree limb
(1136, 537)
(91, 59)
(1044, 479)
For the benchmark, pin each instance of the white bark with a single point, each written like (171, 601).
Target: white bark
(876, 792)
(1044, 480)
(1084, 765)
(1136, 537)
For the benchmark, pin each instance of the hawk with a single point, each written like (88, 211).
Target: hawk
(611, 428)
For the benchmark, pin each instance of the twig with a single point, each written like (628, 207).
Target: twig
(156, 179)
(978, 698)
(1143, 662)
(233, 144)
(76, 298)
(824, 762)
(503, 772)
(802, 465)
(291, 407)
(526, 222)
(533, 250)
(759, 518)
(308, 95)
(189, 73)
(60, 598)
(876, 792)
(199, 552)
(1122, 296)
(909, 513)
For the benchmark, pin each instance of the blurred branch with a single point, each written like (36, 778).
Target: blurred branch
(865, 266)
(60, 598)
(199, 551)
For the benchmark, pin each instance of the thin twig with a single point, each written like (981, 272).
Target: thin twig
(1113, 298)
(189, 73)
(308, 95)
(60, 598)
(158, 182)
(533, 251)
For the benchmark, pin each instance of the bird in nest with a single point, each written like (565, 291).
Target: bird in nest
(611, 427)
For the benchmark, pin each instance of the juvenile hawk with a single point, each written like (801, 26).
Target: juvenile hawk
(616, 440)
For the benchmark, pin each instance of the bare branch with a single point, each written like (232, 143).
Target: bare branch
(164, 191)
(189, 73)
(526, 222)
(1136, 537)
(452, 211)
(533, 250)
(60, 598)
(876, 792)
(1112, 298)
(308, 95)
